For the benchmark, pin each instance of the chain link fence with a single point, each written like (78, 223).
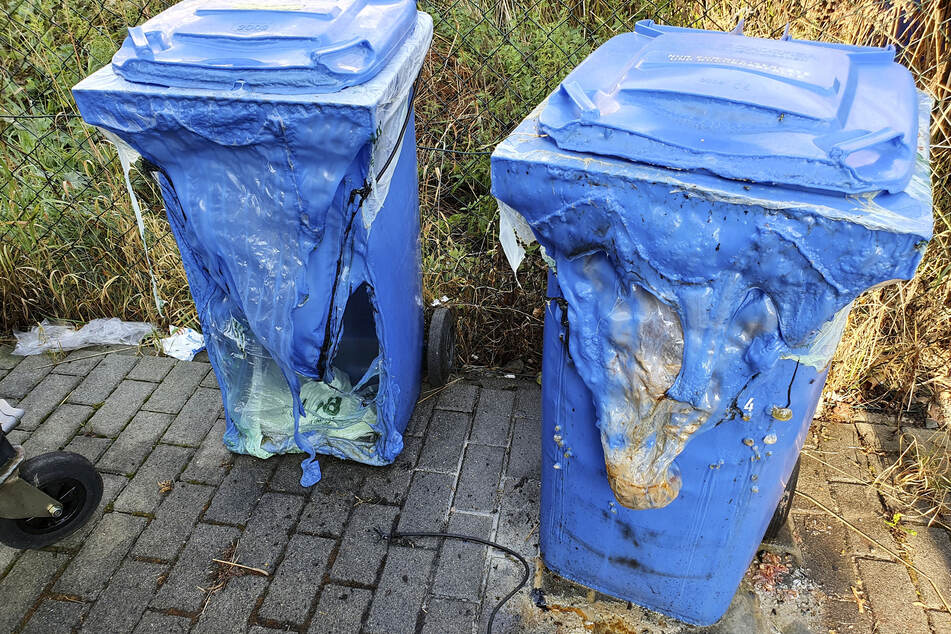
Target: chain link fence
(69, 245)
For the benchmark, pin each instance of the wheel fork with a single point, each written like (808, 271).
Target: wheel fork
(18, 498)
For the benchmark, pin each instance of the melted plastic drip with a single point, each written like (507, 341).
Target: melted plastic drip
(680, 290)
(128, 156)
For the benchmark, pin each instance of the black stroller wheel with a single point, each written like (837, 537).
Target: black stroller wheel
(441, 346)
(68, 478)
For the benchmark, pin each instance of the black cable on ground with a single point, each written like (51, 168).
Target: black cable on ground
(484, 542)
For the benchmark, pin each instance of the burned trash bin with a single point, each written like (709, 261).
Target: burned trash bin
(710, 205)
(282, 136)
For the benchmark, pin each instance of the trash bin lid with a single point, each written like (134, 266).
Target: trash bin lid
(806, 114)
(276, 46)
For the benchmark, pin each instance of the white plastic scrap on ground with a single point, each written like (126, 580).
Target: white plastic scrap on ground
(47, 336)
(183, 344)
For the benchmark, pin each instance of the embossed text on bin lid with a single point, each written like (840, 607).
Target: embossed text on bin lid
(792, 112)
(276, 46)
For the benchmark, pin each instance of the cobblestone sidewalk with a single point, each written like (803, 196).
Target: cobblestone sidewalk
(176, 500)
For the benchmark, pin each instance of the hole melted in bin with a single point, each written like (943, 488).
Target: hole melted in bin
(358, 346)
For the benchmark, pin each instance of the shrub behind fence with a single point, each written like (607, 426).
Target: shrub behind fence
(69, 246)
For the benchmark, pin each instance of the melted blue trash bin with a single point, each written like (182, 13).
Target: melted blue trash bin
(710, 205)
(282, 136)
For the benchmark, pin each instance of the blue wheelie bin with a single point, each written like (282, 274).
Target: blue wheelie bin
(711, 205)
(282, 137)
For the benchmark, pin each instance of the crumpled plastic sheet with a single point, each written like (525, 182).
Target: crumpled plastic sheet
(262, 191)
(47, 336)
(676, 301)
(183, 343)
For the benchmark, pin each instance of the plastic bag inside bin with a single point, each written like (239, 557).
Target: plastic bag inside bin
(272, 200)
(339, 418)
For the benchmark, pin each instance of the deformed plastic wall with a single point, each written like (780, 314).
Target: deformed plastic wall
(281, 212)
(681, 289)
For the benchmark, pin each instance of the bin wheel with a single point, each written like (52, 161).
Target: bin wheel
(67, 477)
(441, 346)
(785, 504)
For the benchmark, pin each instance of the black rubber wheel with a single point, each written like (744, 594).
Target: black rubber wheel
(67, 477)
(785, 504)
(441, 346)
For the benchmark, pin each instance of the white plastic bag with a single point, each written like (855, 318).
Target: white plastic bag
(183, 344)
(47, 336)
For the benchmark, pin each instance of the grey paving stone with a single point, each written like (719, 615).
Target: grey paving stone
(121, 604)
(856, 500)
(112, 485)
(7, 555)
(17, 436)
(157, 623)
(240, 490)
(343, 477)
(196, 418)
(325, 514)
(119, 408)
(144, 492)
(297, 580)
(450, 616)
(55, 432)
(361, 550)
(814, 481)
(399, 595)
(443, 443)
(841, 448)
(100, 555)
(518, 515)
(173, 522)
(176, 387)
(25, 376)
(505, 574)
(876, 528)
(20, 589)
(79, 362)
(526, 452)
(54, 616)
(478, 486)
(212, 460)
(340, 610)
(427, 504)
(844, 616)
(92, 447)
(286, 478)
(458, 397)
(229, 609)
(266, 533)
(44, 398)
(419, 421)
(210, 380)
(8, 360)
(493, 417)
(892, 597)
(135, 442)
(824, 547)
(184, 589)
(940, 621)
(528, 401)
(103, 380)
(390, 483)
(151, 368)
(930, 550)
(461, 566)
